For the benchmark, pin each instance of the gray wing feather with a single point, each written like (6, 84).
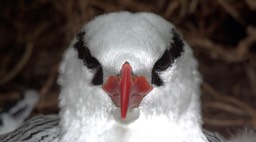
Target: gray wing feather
(213, 137)
(42, 128)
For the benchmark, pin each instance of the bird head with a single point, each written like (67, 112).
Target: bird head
(123, 67)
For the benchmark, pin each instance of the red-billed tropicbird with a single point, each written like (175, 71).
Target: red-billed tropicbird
(130, 78)
(126, 77)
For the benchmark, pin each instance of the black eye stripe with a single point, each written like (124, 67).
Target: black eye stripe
(79, 45)
(156, 80)
(167, 59)
(84, 52)
(176, 46)
(88, 60)
(169, 56)
(98, 77)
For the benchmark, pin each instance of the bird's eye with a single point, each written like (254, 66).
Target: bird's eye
(167, 59)
(88, 60)
(164, 62)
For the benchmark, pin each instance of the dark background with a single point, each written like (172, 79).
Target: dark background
(34, 35)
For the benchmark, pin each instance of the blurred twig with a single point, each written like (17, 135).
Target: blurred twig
(226, 123)
(44, 101)
(251, 4)
(225, 107)
(219, 51)
(251, 75)
(229, 100)
(19, 66)
(229, 9)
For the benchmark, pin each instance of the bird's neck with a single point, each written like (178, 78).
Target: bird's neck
(151, 129)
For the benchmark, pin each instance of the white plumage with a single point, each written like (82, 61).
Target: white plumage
(170, 112)
(141, 52)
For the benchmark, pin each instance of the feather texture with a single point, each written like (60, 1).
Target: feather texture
(45, 128)
(140, 39)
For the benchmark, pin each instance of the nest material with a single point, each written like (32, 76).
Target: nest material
(34, 35)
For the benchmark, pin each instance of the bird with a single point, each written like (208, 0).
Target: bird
(126, 77)
(129, 77)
